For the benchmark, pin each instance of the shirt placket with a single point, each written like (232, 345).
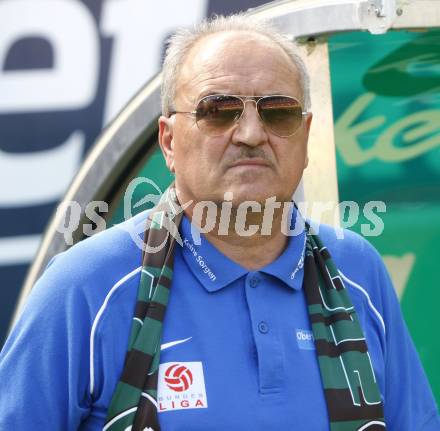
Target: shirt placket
(265, 333)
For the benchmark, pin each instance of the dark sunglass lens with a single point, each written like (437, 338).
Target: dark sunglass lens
(217, 113)
(281, 114)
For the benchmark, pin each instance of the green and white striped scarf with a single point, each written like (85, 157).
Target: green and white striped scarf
(349, 384)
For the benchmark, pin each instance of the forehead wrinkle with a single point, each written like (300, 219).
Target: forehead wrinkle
(218, 59)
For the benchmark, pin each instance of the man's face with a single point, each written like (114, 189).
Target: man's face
(248, 159)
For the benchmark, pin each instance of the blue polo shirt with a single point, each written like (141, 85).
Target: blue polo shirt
(237, 348)
(250, 332)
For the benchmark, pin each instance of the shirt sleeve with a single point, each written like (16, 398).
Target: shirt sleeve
(44, 385)
(408, 399)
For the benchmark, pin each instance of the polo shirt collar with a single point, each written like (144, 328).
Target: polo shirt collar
(289, 266)
(214, 270)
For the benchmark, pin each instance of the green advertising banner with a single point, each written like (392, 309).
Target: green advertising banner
(386, 104)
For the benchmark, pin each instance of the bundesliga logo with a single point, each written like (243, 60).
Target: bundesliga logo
(178, 378)
(181, 385)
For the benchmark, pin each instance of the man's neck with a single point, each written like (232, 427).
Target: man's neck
(254, 251)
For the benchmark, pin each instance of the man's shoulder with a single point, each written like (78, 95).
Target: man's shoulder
(359, 264)
(346, 246)
(116, 246)
(93, 267)
(119, 238)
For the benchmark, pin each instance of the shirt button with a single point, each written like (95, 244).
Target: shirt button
(254, 281)
(263, 328)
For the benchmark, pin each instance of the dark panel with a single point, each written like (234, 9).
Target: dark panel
(227, 8)
(11, 277)
(29, 53)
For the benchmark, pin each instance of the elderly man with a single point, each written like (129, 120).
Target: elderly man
(247, 329)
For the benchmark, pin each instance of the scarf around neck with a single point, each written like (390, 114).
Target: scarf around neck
(348, 380)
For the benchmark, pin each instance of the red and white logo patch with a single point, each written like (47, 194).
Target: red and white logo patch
(181, 385)
(178, 377)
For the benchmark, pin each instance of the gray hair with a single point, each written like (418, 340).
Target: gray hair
(184, 39)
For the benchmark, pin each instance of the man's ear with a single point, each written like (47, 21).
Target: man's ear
(307, 124)
(166, 140)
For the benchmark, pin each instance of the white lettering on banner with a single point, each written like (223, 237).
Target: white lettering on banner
(39, 177)
(18, 250)
(138, 29)
(417, 131)
(70, 29)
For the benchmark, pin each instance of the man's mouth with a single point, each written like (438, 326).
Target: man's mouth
(253, 162)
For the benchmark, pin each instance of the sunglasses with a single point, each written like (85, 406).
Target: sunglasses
(217, 113)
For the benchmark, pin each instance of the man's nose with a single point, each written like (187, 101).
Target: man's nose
(250, 129)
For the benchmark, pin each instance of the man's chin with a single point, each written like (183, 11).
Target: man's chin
(252, 196)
